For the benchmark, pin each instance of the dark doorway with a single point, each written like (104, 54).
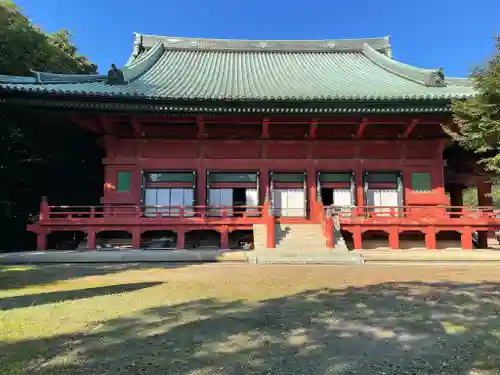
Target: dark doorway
(327, 196)
(239, 201)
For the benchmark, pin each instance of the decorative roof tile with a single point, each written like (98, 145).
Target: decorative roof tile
(234, 70)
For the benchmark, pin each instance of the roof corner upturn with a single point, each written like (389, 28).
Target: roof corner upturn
(425, 77)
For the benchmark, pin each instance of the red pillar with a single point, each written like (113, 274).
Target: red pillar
(357, 237)
(41, 240)
(394, 238)
(44, 209)
(181, 239)
(201, 186)
(312, 193)
(484, 199)
(360, 190)
(263, 185)
(136, 238)
(330, 238)
(270, 222)
(224, 238)
(91, 239)
(467, 238)
(430, 238)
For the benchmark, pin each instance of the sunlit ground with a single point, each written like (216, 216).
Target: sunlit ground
(242, 319)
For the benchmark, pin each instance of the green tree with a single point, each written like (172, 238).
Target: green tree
(40, 153)
(24, 46)
(478, 118)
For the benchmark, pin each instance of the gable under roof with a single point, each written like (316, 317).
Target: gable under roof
(169, 68)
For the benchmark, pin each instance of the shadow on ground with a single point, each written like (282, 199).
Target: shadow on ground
(31, 300)
(390, 328)
(15, 277)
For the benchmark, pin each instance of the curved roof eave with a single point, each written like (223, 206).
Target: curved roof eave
(425, 77)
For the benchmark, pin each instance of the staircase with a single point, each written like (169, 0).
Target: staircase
(300, 243)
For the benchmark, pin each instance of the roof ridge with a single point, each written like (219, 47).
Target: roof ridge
(381, 44)
(42, 78)
(426, 77)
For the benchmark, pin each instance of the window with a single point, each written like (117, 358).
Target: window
(214, 177)
(169, 177)
(421, 182)
(381, 177)
(167, 201)
(288, 177)
(123, 182)
(335, 177)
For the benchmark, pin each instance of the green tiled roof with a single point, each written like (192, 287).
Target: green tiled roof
(244, 70)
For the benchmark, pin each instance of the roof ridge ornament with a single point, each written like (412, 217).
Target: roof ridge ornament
(138, 46)
(437, 78)
(115, 76)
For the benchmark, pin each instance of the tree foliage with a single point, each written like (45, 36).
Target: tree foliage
(40, 152)
(24, 46)
(478, 118)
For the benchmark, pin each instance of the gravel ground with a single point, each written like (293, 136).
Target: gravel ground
(242, 319)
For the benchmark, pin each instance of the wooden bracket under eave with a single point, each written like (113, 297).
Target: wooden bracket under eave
(265, 128)
(107, 126)
(313, 128)
(361, 129)
(200, 124)
(409, 128)
(137, 126)
(86, 123)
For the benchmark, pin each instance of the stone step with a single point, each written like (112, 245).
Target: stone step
(318, 257)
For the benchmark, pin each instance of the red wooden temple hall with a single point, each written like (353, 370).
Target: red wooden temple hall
(212, 142)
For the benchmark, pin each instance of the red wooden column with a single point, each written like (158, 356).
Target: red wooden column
(263, 185)
(270, 222)
(467, 238)
(224, 238)
(484, 199)
(41, 240)
(394, 238)
(136, 238)
(360, 190)
(91, 239)
(181, 239)
(330, 237)
(201, 186)
(430, 238)
(313, 199)
(357, 237)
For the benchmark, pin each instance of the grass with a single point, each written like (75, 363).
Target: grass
(242, 319)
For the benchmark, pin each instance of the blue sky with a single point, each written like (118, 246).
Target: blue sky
(454, 34)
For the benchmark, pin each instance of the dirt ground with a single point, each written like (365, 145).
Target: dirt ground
(244, 319)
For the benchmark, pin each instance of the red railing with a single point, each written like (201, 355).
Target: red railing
(423, 213)
(130, 211)
(251, 214)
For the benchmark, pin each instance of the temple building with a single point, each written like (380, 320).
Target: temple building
(262, 144)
